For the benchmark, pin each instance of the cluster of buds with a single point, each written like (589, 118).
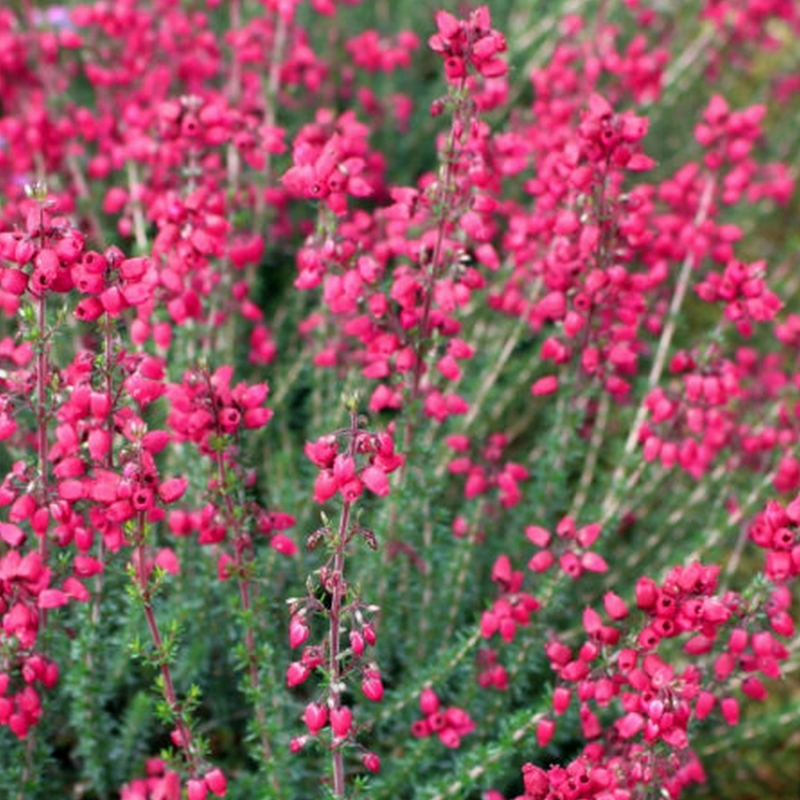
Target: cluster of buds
(684, 602)
(487, 471)
(570, 548)
(213, 781)
(331, 162)
(513, 608)
(165, 784)
(655, 702)
(211, 412)
(469, 43)
(39, 258)
(205, 407)
(48, 255)
(742, 289)
(374, 53)
(776, 531)
(728, 135)
(361, 635)
(611, 138)
(693, 420)
(491, 673)
(449, 724)
(372, 459)
(577, 780)
(729, 138)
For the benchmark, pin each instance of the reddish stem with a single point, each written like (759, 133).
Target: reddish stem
(166, 674)
(443, 206)
(334, 618)
(41, 407)
(443, 202)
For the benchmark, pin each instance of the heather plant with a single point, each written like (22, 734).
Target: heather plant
(398, 401)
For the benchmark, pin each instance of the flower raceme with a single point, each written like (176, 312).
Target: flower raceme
(555, 303)
(349, 461)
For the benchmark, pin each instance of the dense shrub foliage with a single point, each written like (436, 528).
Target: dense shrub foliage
(398, 402)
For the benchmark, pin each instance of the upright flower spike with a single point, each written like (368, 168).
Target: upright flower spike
(353, 457)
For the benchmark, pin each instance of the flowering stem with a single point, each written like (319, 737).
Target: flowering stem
(252, 666)
(663, 346)
(242, 559)
(279, 39)
(590, 462)
(672, 318)
(168, 690)
(444, 209)
(334, 618)
(42, 370)
(497, 367)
